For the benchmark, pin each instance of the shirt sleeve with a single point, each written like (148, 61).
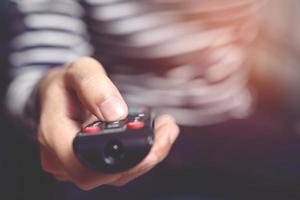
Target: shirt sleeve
(46, 34)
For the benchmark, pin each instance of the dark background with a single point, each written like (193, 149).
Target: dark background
(20, 175)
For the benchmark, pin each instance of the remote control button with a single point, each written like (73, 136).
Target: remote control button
(97, 123)
(137, 117)
(141, 115)
(91, 129)
(135, 125)
(115, 124)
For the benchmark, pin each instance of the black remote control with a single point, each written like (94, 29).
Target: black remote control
(112, 147)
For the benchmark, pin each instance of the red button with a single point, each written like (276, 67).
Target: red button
(135, 125)
(91, 129)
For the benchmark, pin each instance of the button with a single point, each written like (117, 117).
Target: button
(141, 115)
(135, 125)
(115, 124)
(91, 129)
(97, 123)
(137, 119)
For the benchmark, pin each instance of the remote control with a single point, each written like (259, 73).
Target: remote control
(112, 147)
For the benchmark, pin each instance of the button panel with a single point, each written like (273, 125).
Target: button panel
(91, 129)
(115, 146)
(97, 123)
(135, 125)
(133, 121)
(111, 125)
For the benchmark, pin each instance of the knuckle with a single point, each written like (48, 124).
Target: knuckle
(165, 152)
(45, 166)
(158, 156)
(72, 68)
(82, 63)
(83, 184)
(76, 72)
(43, 135)
(89, 81)
(41, 138)
(164, 120)
(86, 61)
(161, 157)
(120, 183)
(169, 143)
(151, 162)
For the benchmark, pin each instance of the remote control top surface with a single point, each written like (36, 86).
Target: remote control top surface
(117, 146)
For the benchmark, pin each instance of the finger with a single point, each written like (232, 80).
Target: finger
(95, 90)
(57, 132)
(164, 120)
(166, 132)
(89, 120)
(50, 163)
(61, 177)
(123, 180)
(82, 176)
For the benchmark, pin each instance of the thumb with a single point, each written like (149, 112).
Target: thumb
(95, 90)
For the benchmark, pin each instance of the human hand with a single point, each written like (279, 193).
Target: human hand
(71, 95)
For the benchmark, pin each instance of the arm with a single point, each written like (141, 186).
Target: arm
(46, 35)
(68, 95)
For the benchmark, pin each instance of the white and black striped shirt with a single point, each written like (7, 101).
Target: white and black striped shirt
(182, 57)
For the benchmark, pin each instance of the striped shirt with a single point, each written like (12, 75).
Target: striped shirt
(182, 57)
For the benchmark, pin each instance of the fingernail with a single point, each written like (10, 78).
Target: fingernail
(174, 132)
(113, 108)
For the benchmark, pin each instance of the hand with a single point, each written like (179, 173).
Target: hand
(67, 96)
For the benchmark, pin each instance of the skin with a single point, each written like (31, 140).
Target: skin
(70, 97)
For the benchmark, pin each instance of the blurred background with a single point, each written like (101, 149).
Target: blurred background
(20, 173)
(265, 148)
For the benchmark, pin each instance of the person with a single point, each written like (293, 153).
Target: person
(187, 59)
